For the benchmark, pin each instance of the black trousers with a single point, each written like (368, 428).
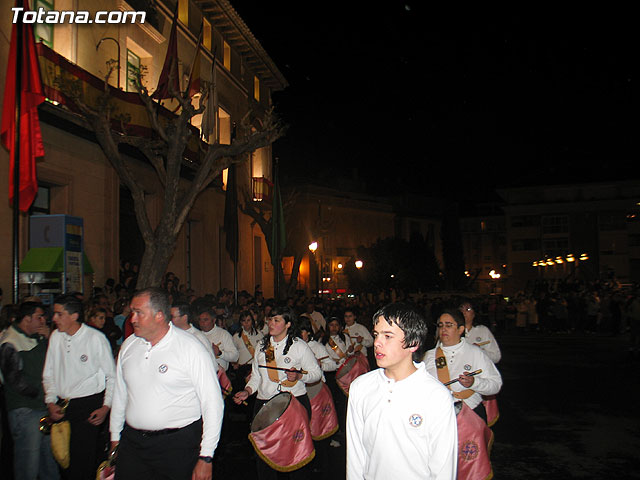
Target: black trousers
(265, 472)
(85, 446)
(171, 456)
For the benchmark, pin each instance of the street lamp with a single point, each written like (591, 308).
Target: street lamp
(118, 44)
(313, 246)
(359, 264)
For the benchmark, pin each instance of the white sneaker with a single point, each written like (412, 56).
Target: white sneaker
(334, 443)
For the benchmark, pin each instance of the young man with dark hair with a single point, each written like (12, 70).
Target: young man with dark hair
(400, 420)
(79, 367)
(22, 353)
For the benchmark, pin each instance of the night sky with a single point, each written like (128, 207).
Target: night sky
(450, 102)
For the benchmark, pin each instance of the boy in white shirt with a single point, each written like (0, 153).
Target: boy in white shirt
(400, 423)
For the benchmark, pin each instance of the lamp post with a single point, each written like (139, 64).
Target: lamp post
(313, 246)
(118, 45)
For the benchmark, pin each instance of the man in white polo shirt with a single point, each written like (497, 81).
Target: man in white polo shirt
(181, 318)
(79, 367)
(221, 340)
(167, 412)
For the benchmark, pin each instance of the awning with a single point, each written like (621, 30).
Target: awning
(49, 259)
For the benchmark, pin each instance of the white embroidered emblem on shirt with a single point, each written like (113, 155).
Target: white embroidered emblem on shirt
(163, 368)
(83, 358)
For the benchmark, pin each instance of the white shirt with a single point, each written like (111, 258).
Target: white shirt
(168, 385)
(481, 334)
(78, 365)
(228, 351)
(326, 363)
(359, 330)
(244, 355)
(299, 356)
(400, 430)
(204, 341)
(465, 357)
(333, 354)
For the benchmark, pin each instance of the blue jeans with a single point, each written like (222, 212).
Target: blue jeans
(32, 450)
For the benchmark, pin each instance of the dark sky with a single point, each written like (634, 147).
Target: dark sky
(450, 101)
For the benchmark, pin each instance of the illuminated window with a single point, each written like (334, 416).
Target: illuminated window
(226, 56)
(133, 70)
(224, 125)
(183, 11)
(206, 34)
(44, 31)
(256, 88)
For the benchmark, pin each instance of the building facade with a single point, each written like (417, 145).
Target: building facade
(585, 232)
(76, 179)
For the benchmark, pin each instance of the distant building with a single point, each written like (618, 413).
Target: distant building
(563, 232)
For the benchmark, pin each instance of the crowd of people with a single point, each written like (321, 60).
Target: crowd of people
(133, 370)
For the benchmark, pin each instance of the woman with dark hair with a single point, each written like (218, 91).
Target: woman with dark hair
(282, 363)
(339, 347)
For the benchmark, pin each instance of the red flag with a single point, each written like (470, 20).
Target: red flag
(195, 78)
(29, 87)
(169, 73)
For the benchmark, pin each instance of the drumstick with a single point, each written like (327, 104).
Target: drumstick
(284, 369)
(470, 375)
(483, 343)
(323, 358)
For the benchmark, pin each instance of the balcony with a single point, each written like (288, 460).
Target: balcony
(261, 189)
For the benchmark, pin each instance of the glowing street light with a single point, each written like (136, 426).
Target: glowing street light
(359, 264)
(313, 246)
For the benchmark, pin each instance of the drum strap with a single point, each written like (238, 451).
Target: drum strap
(334, 346)
(358, 347)
(273, 374)
(247, 343)
(443, 375)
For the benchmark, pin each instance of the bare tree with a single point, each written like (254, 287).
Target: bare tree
(181, 182)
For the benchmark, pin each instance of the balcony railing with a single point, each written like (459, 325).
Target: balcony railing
(261, 189)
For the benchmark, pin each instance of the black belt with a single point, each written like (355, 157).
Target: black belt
(157, 433)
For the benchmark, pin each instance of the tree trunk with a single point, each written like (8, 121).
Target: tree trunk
(293, 280)
(155, 260)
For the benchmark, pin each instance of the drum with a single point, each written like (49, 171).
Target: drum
(475, 439)
(280, 434)
(351, 369)
(313, 389)
(324, 418)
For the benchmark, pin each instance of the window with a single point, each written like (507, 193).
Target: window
(525, 245)
(256, 88)
(525, 221)
(42, 203)
(226, 55)
(553, 247)
(44, 31)
(206, 34)
(555, 224)
(183, 11)
(610, 221)
(133, 70)
(224, 126)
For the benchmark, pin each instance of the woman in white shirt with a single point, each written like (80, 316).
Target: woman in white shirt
(339, 347)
